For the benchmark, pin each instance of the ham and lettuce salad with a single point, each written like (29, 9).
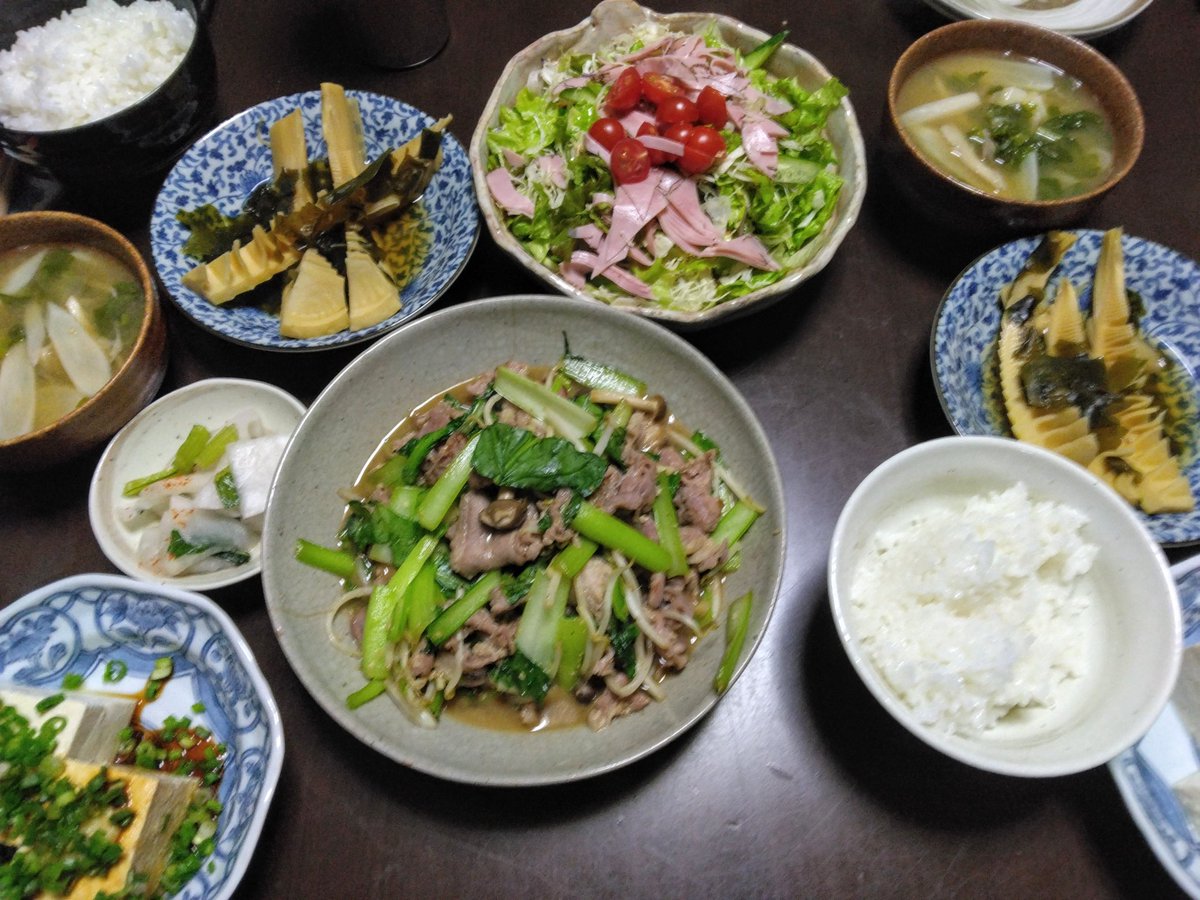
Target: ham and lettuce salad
(671, 236)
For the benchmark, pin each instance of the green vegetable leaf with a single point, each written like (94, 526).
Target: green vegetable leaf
(121, 313)
(623, 636)
(514, 457)
(517, 674)
(227, 489)
(374, 523)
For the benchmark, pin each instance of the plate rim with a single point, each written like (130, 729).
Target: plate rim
(350, 338)
(335, 708)
(276, 741)
(1153, 524)
(1189, 883)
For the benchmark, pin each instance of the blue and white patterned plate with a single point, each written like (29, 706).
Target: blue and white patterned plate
(77, 625)
(966, 324)
(1145, 773)
(226, 164)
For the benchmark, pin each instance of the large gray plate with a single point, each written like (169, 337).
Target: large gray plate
(360, 407)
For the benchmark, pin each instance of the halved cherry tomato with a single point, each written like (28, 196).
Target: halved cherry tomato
(677, 109)
(629, 161)
(657, 157)
(625, 92)
(656, 87)
(712, 107)
(606, 132)
(703, 147)
(680, 131)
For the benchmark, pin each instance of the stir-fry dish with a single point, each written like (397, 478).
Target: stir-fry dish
(538, 536)
(1092, 388)
(666, 169)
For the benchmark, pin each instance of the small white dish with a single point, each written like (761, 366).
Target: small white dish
(147, 444)
(1133, 630)
(77, 625)
(1079, 18)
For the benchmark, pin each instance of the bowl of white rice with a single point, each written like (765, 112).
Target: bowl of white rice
(1005, 606)
(103, 94)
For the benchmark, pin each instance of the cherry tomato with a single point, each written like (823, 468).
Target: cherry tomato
(712, 108)
(606, 132)
(625, 92)
(657, 157)
(629, 161)
(677, 109)
(703, 146)
(680, 131)
(656, 88)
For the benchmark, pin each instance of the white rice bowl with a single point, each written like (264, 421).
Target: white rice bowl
(90, 62)
(1017, 637)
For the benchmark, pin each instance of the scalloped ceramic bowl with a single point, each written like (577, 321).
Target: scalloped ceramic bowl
(131, 387)
(1131, 634)
(953, 204)
(614, 17)
(342, 431)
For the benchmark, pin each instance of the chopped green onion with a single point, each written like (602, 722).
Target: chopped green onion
(114, 671)
(48, 703)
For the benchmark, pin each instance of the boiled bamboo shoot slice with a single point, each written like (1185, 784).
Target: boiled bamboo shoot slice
(315, 303)
(243, 268)
(1066, 334)
(18, 394)
(341, 123)
(373, 296)
(289, 153)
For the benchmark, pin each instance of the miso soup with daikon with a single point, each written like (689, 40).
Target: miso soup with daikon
(69, 317)
(1007, 125)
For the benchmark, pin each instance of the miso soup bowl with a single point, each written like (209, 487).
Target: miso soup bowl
(132, 385)
(957, 206)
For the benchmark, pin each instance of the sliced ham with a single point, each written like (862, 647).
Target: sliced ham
(500, 183)
(759, 140)
(634, 206)
(513, 159)
(553, 168)
(747, 249)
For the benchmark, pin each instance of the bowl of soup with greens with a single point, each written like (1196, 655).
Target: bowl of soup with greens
(995, 123)
(82, 343)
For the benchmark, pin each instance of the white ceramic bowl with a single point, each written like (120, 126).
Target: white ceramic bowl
(356, 412)
(1134, 628)
(609, 20)
(147, 444)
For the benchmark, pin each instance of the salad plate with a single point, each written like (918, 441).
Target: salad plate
(76, 626)
(1079, 18)
(149, 441)
(687, 299)
(224, 166)
(1167, 753)
(962, 345)
(344, 428)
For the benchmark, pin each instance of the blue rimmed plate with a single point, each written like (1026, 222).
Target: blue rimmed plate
(1145, 773)
(966, 324)
(77, 625)
(226, 164)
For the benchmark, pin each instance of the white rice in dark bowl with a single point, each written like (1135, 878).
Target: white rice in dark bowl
(973, 607)
(90, 62)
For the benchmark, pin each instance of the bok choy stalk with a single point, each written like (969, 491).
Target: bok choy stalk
(596, 525)
(382, 606)
(336, 562)
(455, 616)
(566, 418)
(667, 524)
(734, 523)
(736, 626)
(600, 376)
(438, 500)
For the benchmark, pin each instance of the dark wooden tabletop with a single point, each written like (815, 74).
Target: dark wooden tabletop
(798, 783)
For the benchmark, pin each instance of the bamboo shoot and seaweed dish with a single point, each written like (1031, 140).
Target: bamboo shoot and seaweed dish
(320, 231)
(545, 545)
(1092, 386)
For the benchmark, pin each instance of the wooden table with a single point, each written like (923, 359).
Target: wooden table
(798, 784)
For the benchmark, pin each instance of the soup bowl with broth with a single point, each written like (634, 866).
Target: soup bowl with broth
(995, 126)
(82, 340)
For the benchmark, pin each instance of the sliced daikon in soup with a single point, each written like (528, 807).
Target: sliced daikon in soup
(84, 359)
(1007, 125)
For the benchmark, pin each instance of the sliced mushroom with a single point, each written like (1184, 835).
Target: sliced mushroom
(505, 513)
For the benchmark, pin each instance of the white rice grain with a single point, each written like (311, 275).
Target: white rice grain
(971, 609)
